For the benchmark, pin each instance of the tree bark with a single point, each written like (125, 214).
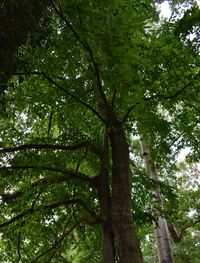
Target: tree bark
(127, 243)
(175, 234)
(108, 252)
(162, 233)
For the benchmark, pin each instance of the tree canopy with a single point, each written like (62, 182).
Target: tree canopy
(80, 82)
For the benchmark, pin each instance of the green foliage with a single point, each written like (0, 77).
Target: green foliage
(77, 57)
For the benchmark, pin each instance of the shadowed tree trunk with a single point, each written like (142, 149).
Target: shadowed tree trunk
(161, 230)
(108, 255)
(127, 243)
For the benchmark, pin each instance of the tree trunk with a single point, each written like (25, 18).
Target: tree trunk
(161, 230)
(127, 243)
(163, 241)
(108, 255)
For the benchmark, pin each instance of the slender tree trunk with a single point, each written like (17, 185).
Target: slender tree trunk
(108, 255)
(122, 221)
(161, 230)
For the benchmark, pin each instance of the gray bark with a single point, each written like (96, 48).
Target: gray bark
(161, 230)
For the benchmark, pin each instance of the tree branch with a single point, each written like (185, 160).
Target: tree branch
(55, 205)
(113, 98)
(67, 202)
(18, 247)
(188, 226)
(176, 139)
(45, 147)
(49, 124)
(172, 96)
(75, 98)
(91, 181)
(58, 242)
(174, 233)
(127, 114)
(70, 173)
(18, 217)
(88, 49)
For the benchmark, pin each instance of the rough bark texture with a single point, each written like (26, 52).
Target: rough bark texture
(105, 206)
(161, 230)
(127, 243)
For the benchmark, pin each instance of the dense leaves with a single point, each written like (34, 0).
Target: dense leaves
(75, 70)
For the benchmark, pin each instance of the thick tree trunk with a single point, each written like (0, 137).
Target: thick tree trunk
(127, 243)
(161, 230)
(108, 255)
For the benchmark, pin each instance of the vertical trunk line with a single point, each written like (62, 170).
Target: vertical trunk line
(108, 253)
(122, 221)
(161, 230)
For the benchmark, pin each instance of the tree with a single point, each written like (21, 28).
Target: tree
(161, 228)
(70, 116)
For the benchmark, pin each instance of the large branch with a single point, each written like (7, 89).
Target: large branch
(74, 175)
(21, 215)
(16, 218)
(127, 114)
(55, 205)
(88, 49)
(66, 174)
(48, 147)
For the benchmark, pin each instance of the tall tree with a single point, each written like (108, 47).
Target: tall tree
(161, 228)
(98, 69)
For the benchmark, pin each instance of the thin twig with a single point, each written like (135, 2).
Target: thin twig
(75, 97)
(57, 243)
(176, 139)
(192, 106)
(50, 122)
(172, 96)
(18, 246)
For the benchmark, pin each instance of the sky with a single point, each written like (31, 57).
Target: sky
(165, 9)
